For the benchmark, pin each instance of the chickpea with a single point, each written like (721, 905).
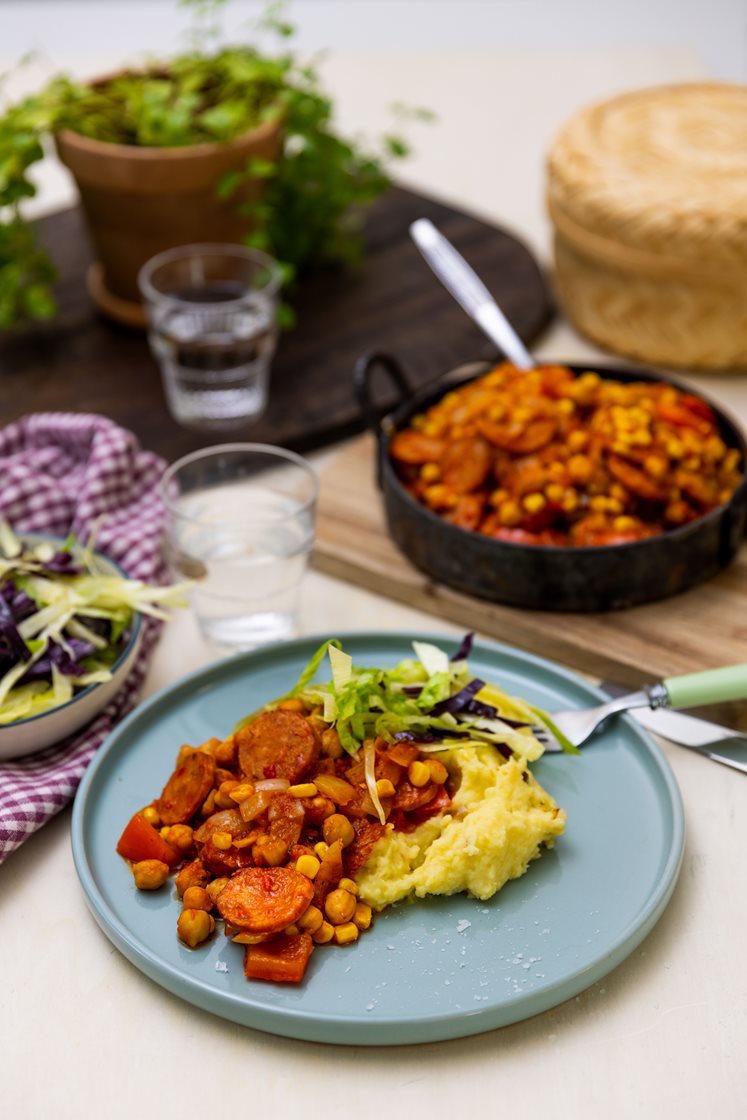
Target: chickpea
(193, 875)
(331, 745)
(151, 815)
(338, 827)
(150, 874)
(292, 705)
(340, 906)
(194, 927)
(215, 887)
(197, 898)
(311, 920)
(180, 837)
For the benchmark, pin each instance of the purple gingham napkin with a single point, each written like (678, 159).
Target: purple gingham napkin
(62, 471)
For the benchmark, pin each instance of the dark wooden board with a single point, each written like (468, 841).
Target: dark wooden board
(391, 301)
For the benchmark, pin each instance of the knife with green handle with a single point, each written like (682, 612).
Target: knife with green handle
(721, 744)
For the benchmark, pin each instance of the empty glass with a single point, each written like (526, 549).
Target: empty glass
(241, 524)
(212, 313)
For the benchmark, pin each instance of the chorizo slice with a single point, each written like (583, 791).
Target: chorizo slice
(466, 464)
(187, 788)
(635, 480)
(414, 449)
(265, 899)
(277, 744)
(367, 834)
(409, 797)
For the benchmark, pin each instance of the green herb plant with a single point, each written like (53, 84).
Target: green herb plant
(310, 211)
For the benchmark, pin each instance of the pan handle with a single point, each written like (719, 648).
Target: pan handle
(365, 369)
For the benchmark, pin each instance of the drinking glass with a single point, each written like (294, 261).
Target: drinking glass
(241, 524)
(212, 313)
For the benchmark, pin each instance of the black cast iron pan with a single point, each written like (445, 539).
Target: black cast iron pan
(535, 576)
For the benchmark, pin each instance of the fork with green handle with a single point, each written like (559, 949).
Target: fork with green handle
(712, 686)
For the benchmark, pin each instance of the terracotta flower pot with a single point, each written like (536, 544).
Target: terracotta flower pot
(140, 201)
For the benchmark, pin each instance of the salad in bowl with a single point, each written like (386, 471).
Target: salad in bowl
(70, 630)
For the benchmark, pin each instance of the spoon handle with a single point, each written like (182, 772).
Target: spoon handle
(469, 291)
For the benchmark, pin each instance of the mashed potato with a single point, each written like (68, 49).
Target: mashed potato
(499, 821)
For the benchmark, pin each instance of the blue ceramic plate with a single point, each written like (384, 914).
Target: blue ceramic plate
(438, 969)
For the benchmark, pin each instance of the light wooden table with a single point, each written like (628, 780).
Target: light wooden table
(83, 1033)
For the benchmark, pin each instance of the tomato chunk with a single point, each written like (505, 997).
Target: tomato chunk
(282, 960)
(141, 841)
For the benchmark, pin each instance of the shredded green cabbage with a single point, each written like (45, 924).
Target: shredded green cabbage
(408, 702)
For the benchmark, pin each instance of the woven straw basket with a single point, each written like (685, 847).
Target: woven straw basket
(648, 197)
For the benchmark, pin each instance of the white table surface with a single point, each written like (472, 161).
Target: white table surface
(83, 1033)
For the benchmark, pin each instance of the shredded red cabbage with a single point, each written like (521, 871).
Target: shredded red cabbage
(455, 703)
(465, 648)
(430, 735)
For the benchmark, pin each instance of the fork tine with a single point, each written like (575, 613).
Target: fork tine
(548, 740)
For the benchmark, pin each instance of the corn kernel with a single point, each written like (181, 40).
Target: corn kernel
(324, 934)
(384, 788)
(579, 468)
(655, 465)
(566, 406)
(418, 773)
(509, 513)
(150, 814)
(554, 492)
(430, 472)
(222, 840)
(533, 503)
(150, 874)
(339, 906)
(164, 833)
(321, 848)
(362, 915)
(624, 523)
(308, 866)
(194, 927)
(346, 933)
(348, 885)
(577, 440)
(223, 794)
(291, 930)
(570, 502)
(242, 792)
(303, 789)
(437, 771)
(244, 842)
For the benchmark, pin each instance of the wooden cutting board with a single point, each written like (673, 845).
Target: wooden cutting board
(703, 628)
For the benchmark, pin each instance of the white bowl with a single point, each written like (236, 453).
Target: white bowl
(27, 736)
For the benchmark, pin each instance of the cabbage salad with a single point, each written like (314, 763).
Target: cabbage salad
(65, 618)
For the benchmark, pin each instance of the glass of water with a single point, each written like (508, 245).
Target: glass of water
(212, 313)
(241, 524)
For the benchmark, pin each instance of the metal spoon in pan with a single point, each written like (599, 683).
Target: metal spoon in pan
(469, 291)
